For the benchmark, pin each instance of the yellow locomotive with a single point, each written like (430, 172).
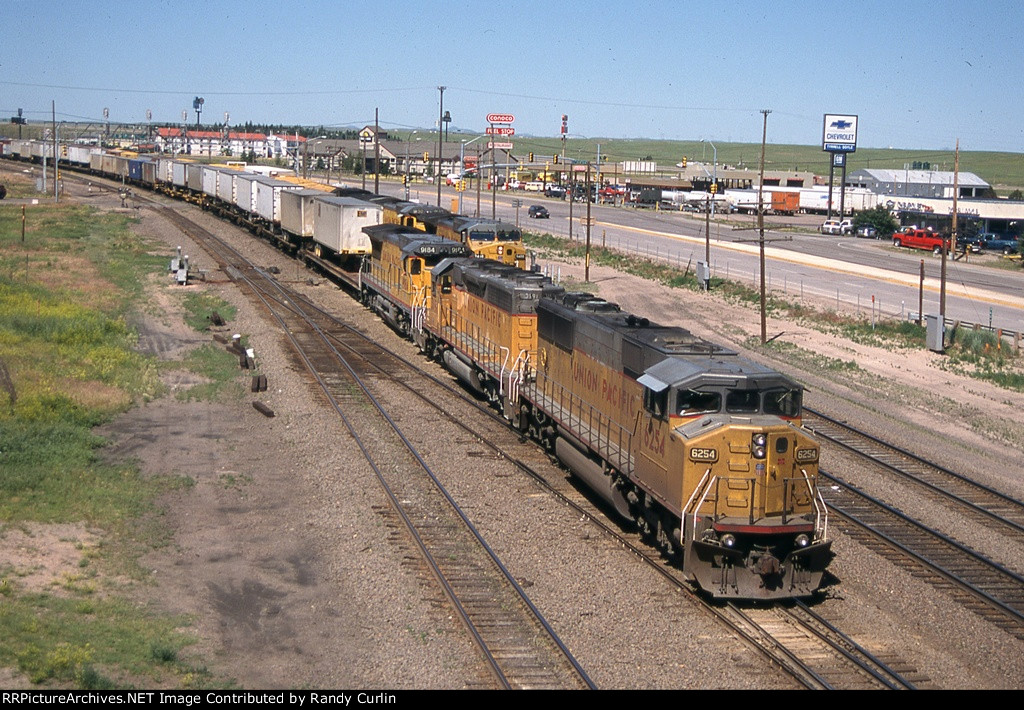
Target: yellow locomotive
(702, 449)
(482, 324)
(395, 280)
(488, 238)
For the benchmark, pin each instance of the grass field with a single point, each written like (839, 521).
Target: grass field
(67, 364)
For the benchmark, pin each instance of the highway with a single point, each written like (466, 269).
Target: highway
(828, 269)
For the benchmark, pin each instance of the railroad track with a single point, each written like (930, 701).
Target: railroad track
(815, 659)
(807, 647)
(978, 583)
(520, 647)
(981, 503)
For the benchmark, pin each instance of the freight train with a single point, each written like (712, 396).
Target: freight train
(701, 449)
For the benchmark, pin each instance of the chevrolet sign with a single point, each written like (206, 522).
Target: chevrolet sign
(840, 134)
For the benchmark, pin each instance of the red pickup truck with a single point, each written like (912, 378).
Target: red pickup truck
(920, 239)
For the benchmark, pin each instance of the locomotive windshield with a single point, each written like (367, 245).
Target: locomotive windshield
(690, 402)
(780, 402)
(481, 235)
(783, 402)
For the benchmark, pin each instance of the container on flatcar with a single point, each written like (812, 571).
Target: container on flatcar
(194, 177)
(297, 212)
(268, 198)
(245, 191)
(178, 175)
(142, 171)
(42, 149)
(210, 176)
(80, 154)
(338, 224)
(226, 181)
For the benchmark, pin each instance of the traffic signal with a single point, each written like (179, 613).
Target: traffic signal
(555, 159)
(684, 161)
(426, 156)
(714, 188)
(531, 156)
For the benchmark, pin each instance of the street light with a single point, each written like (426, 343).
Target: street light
(440, 125)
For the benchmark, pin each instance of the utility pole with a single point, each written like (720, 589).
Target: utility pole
(376, 151)
(586, 268)
(760, 228)
(952, 234)
(56, 156)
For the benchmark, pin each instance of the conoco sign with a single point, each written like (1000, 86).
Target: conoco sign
(500, 118)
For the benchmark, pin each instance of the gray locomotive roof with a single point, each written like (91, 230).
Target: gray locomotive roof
(735, 373)
(505, 286)
(415, 243)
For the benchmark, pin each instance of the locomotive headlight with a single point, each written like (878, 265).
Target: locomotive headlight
(728, 540)
(802, 540)
(758, 443)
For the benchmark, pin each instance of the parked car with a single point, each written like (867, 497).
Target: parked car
(538, 212)
(555, 191)
(999, 243)
(915, 238)
(867, 231)
(835, 226)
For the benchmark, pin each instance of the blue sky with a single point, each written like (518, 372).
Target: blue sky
(918, 74)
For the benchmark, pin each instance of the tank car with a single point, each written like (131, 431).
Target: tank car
(701, 448)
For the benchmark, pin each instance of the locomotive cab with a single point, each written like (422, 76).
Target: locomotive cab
(753, 524)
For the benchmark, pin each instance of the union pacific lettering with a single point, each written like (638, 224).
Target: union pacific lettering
(480, 312)
(605, 386)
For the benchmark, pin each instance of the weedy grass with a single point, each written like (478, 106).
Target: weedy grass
(221, 370)
(983, 355)
(101, 643)
(67, 364)
(200, 307)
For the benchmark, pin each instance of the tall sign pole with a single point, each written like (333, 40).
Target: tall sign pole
(505, 131)
(838, 137)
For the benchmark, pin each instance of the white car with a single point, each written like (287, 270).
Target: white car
(834, 226)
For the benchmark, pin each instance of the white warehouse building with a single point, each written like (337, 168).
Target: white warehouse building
(918, 183)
